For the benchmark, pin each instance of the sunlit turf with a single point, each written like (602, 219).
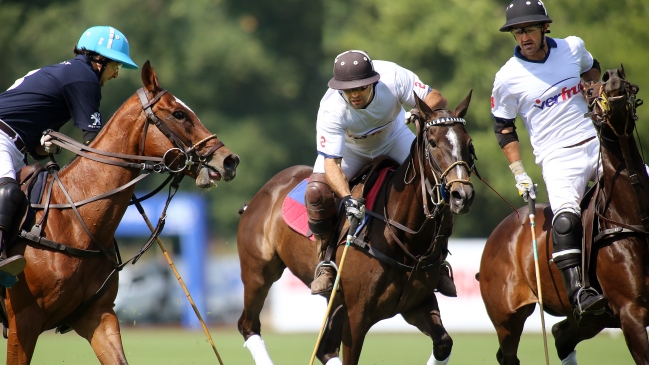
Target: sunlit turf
(175, 346)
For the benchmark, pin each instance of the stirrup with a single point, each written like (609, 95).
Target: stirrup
(324, 264)
(579, 310)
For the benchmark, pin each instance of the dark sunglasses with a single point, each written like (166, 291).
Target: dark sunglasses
(527, 30)
(356, 89)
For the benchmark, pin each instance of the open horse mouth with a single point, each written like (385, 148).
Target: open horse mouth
(210, 173)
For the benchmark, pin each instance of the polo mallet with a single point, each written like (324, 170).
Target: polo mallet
(180, 280)
(353, 225)
(532, 210)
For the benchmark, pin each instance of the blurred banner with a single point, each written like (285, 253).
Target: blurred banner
(294, 309)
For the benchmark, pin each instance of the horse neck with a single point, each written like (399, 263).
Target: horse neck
(405, 206)
(625, 180)
(121, 134)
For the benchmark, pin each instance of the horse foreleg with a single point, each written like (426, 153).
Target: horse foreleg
(567, 334)
(100, 327)
(355, 327)
(426, 317)
(633, 322)
(330, 343)
(22, 335)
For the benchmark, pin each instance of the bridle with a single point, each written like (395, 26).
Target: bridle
(438, 191)
(601, 114)
(179, 142)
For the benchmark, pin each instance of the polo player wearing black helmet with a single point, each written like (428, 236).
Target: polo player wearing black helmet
(543, 83)
(361, 117)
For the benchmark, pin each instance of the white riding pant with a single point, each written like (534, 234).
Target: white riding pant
(567, 172)
(11, 159)
(397, 148)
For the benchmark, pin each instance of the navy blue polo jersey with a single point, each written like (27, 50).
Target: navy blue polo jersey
(49, 97)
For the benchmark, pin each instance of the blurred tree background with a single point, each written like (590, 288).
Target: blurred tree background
(254, 71)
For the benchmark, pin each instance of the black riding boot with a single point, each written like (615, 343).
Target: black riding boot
(445, 284)
(584, 301)
(10, 200)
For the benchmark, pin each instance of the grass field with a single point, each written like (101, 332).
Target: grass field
(161, 346)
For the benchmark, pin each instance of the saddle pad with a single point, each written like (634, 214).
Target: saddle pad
(294, 207)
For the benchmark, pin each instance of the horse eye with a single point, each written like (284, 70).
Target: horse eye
(432, 143)
(179, 115)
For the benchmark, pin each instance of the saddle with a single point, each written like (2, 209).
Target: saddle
(360, 185)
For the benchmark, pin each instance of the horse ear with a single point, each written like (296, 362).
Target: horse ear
(149, 79)
(622, 71)
(461, 109)
(424, 109)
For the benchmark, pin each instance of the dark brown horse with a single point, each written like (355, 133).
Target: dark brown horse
(62, 289)
(614, 214)
(414, 240)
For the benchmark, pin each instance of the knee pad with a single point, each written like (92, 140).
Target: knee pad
(320, 204)
(10, 199)
(567, 232)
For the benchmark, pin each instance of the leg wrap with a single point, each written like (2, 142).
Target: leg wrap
(567, 232)
(320, 205)
(10, 199)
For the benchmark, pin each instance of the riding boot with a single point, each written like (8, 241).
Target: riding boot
(445, 284)
(321, 210)
(325, 275)
(567, 233)
(584, 301)
(10, 200)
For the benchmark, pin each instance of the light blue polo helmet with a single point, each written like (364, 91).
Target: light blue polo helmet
(108, 42)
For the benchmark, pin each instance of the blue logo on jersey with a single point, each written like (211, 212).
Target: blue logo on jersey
(567, 92)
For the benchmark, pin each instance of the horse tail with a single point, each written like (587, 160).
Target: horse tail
(243, 209)
(477, 276)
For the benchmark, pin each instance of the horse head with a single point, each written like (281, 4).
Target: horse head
(447, 151)
(181, 138)
(613, 110)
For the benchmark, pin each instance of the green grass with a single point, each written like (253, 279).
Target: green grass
(149, 346)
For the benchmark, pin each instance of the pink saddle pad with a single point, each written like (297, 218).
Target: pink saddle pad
(294, 209)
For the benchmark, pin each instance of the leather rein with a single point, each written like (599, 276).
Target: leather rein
(601, 116)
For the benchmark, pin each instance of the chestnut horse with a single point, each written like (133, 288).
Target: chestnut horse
(436, 175)
(62, 289)
(614, 214)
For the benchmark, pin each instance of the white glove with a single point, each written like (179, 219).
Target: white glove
(526, 188)
(46, 141)
(354, 209)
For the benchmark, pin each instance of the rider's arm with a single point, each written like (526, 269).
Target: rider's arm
(336, 177)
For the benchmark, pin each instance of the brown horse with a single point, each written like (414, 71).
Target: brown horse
(414, 242)
(614, 214)
(62, 289)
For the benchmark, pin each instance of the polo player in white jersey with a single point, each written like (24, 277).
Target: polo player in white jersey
(543, 83)
(361, 117)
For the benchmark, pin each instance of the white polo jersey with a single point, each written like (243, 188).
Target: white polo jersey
(547, 94)
(369, 131)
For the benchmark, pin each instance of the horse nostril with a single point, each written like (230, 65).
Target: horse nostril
(231, 162)
(457, 195)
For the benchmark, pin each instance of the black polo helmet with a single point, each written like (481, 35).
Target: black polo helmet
(525, 11)
(353, 69)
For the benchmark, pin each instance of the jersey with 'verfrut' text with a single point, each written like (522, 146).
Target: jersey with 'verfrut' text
(368, 130)
(49, 97)
(547, 94)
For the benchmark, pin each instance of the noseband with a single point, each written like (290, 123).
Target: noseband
(438, 191)
(177, 141)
